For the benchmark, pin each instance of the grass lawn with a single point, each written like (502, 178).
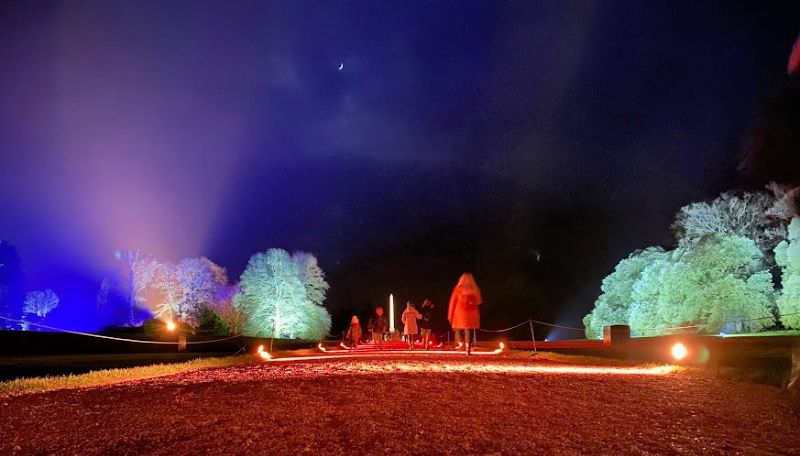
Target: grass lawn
(106, 376)
(88, 370)
(13, 367)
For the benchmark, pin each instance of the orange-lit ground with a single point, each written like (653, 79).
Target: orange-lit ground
(401, 404)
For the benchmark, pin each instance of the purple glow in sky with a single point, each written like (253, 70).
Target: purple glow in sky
(352, 130)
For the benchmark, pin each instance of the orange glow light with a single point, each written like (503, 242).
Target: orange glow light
(679, 351)
(170, 326)
(262, 353)
(494, 368)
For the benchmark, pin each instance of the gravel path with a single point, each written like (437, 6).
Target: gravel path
(398, 405)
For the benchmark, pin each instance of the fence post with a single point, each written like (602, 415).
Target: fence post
(272, 339)
(475, 337)
(530, 322)
(181, 341)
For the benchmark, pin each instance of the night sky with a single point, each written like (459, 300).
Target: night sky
(533, 143)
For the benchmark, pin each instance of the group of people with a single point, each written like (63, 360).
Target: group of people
(463, 315)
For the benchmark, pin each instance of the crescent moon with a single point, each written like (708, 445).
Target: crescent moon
(341, 65)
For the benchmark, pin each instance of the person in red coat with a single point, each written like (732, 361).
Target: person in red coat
(464, 314)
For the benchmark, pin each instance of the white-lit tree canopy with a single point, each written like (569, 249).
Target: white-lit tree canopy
(40, 303)
(719, 284)
(135, 273)
(787, 255)
(717, 279)
(167, 282)
(311, 276)
(746, 215)
(275, 301)
(614, 304)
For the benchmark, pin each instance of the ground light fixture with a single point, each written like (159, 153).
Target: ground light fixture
(679, 351)
(170, 326)
(262, 353)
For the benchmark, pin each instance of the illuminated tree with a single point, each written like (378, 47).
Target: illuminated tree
(37, 305)
(787, 255)
(198, 284)
(751, 215)
(311, 276)
(273, 299)
(135, 275)
(614, 304)
(219, 274)
(167, 281)
(726, 281)
(720, 284)
(227, 312)
(40, 303)
(319, 323)
(648, 294)
(230, 317)
(189, 290)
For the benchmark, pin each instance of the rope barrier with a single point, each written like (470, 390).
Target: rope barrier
(705, 325)
(557, 326)
(99, 336)
(637, 330)
(504, 330)
(336, 336)
(212, 341)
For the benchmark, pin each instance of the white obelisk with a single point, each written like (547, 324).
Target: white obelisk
(391, 313)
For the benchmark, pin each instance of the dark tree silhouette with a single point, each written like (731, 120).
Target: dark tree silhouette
(11, 285)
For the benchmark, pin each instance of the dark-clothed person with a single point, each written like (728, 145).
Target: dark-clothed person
(353, 333)
(378, 326)
(426, 323)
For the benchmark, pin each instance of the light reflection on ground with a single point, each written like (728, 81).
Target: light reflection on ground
(459, 365)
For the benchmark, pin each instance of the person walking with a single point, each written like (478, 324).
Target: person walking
(354, 332)
(410, 317)
(378, 326)
(463, 313)
(426, 323)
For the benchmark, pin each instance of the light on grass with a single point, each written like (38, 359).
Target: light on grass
(502, 346)
(679, 351)
(721, 334)
(170, 326)
(370, 368)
